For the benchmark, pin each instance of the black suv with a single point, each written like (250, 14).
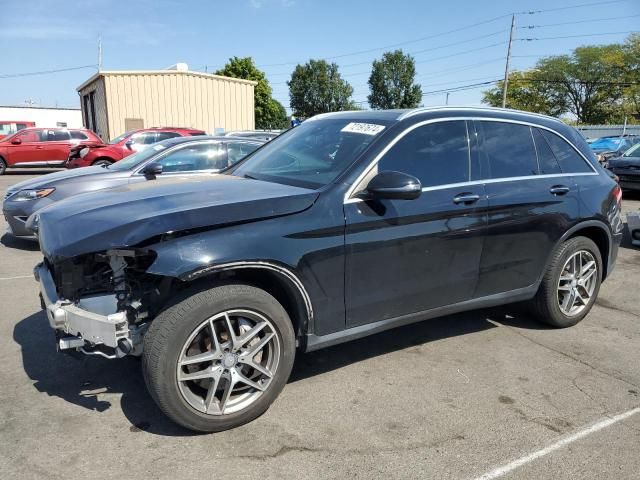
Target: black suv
(349, 224)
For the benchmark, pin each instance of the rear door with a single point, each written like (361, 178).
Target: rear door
(408, 256)
(56, 145)
(531, 204)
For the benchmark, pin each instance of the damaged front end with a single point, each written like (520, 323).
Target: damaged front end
(101, 303)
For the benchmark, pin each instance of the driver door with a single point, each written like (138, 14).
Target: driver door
(408, 256)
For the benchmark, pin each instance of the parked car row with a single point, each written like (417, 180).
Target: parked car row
(181, 155)
(73, 148)
(349, 224)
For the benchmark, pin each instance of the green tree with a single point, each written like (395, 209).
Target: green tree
(525, 94)
(269, 113)
(317, 87)
(588, 84)
(392, 82)
(631, 91)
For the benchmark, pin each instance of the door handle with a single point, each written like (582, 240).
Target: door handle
(559, 190)
(466, 198)
(39, 148)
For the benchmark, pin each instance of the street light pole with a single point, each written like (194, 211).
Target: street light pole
(506, 68)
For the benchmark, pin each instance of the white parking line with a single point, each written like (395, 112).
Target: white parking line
(16, 278)
(503, 470)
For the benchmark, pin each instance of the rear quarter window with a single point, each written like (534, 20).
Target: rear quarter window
(570, 161)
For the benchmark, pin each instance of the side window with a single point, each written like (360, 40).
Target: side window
(204, 156)
(55, 135)
(568, 158)
(509, 149)
(546, 159)
(236, 151)
(165, 135)
(30, 136)
(144, 138)
(437, 154)
(77, 135)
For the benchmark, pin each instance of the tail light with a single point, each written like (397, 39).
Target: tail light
(617, 193)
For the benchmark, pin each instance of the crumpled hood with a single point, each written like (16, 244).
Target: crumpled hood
(52, 178)
(126, 216)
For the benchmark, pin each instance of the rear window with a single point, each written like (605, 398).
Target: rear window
(509, 149)
(570, 161)
(166, 135)
(194, 134)
(78, 135)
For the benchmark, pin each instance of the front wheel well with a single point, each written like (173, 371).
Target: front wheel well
(100, 159)
(600, 237)
(272, 282)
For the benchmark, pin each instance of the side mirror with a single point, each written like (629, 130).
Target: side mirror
(129, 144)
(16, 141)
(393, 186)
(151, 170)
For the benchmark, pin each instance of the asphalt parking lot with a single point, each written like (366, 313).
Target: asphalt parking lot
(485, 394)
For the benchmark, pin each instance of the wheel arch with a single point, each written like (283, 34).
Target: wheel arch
(96, 160)
(278, 281)
(599, 233)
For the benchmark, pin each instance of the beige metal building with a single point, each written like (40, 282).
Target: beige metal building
(114, 102)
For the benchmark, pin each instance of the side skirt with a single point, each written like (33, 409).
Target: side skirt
(316, 342)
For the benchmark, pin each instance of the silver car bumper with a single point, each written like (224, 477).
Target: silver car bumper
(64, 316)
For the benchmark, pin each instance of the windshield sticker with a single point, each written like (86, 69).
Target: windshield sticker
(364, 128)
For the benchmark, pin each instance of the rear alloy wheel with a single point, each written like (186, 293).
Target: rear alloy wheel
(102, 162)
(3, 166)
(218, 357)
(570, 284)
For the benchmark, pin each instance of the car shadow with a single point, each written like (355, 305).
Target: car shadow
(10, 241)
(81, 379)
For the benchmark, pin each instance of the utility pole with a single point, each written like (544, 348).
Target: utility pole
(506, 68)
(446, 102)
(99, 53)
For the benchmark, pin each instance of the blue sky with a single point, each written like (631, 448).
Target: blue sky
(40, 35)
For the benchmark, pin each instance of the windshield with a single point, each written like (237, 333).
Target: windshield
(134, 160)
(113, 141)
(313, 154)
(633, 151)
(606, 143)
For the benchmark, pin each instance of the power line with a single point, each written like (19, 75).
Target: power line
(580, 5)
(45, 72)
(598, 20)
(572, 36)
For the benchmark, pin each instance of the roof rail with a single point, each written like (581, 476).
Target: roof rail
(417, 111)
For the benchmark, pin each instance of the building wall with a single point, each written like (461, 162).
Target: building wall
(101, 127)
(178, 99)
(43, 117)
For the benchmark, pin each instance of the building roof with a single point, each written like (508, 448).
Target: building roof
(211, 76)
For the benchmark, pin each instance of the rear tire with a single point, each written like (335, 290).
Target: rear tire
(102, 161)
(237, 378)
(3, 166)
(570, 284)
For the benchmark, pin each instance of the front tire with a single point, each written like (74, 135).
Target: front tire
(570, 284)
(3, 166)
(219, 357)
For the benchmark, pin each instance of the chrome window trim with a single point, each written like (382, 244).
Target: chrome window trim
(417, 111)
(348, 197)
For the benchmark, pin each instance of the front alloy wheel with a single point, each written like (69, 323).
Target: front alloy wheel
(218, 357)
(228, 362)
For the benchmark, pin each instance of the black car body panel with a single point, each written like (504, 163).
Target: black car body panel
(628, 171)
(358, 266)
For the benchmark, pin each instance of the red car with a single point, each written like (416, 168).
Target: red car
(120, 147)
(42, 147)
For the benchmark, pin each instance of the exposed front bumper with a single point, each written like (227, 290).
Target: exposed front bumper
(17, 225)
(64, 316)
